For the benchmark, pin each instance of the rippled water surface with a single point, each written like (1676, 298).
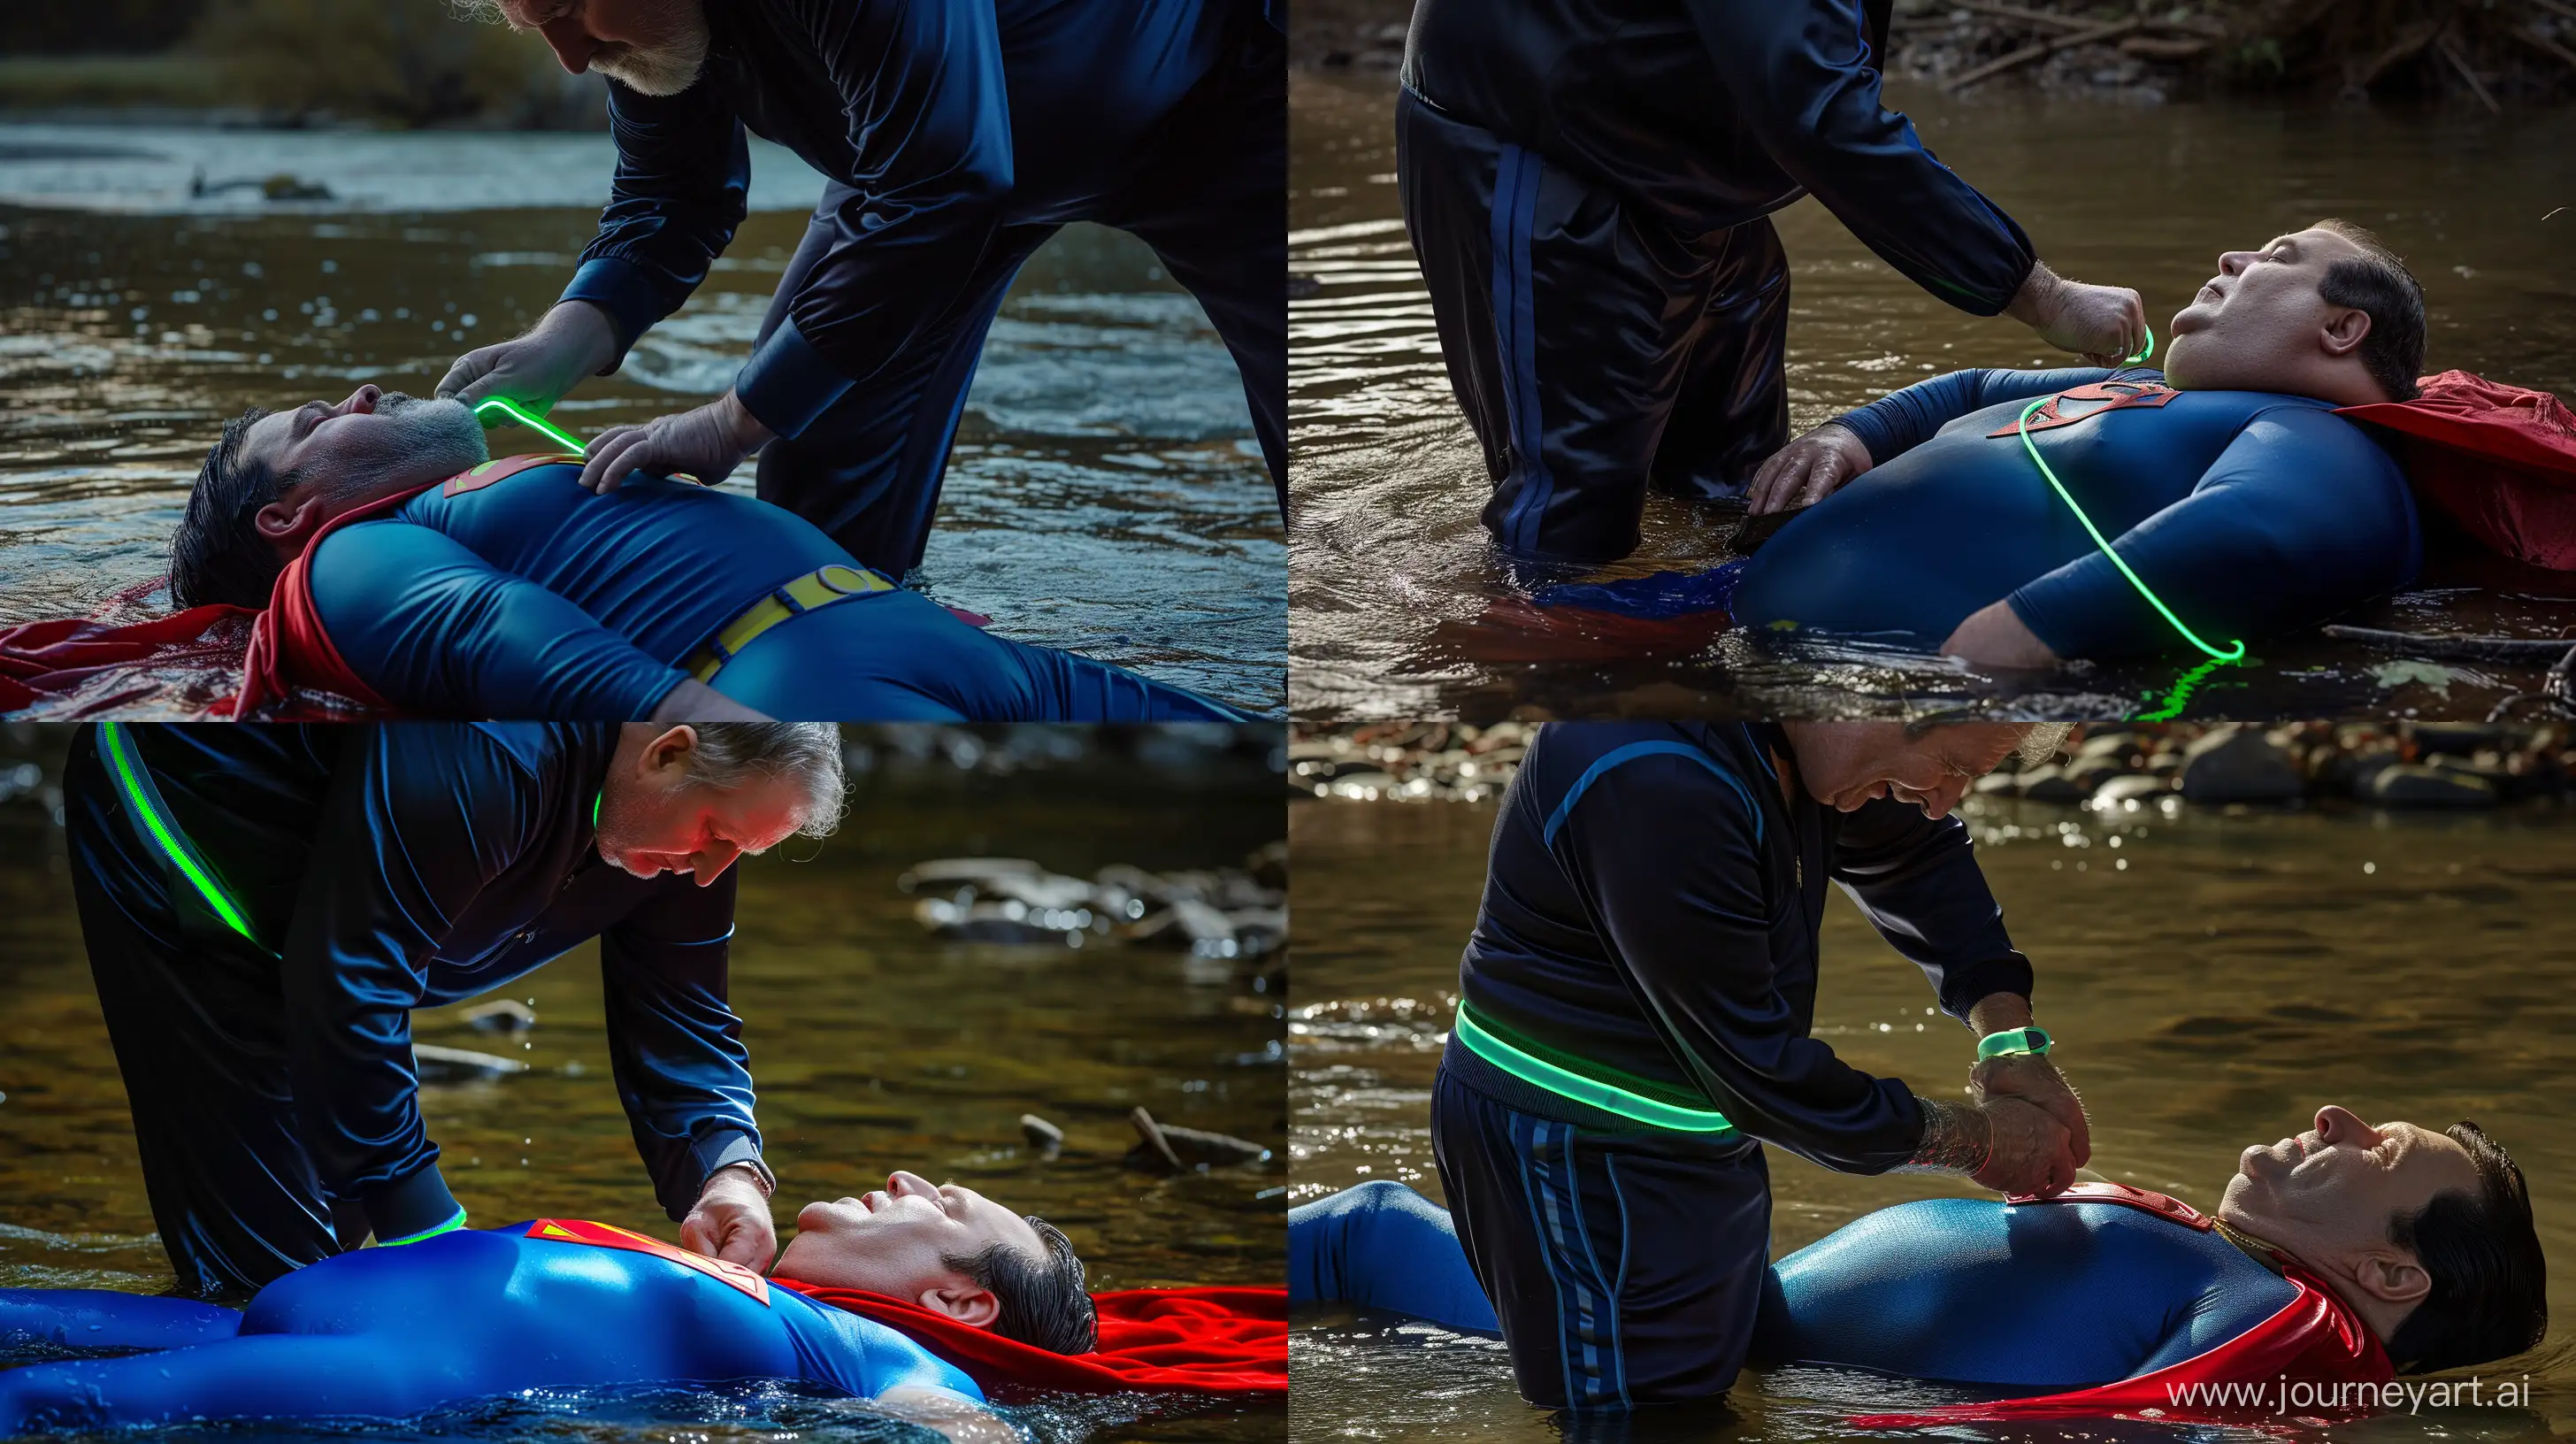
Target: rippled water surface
(1395, 588)
(2211, 977)
(1105, 493)
(875, 1046)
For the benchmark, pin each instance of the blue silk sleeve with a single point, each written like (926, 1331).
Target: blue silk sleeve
(1916, 879)
(1804, 82)
(438, 631)
(1691, 929)
(674, 1042)
(1901, 420)
(680, 189)
(2302, 499)
(930, 129)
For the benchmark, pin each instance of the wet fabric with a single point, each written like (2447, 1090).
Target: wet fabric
(1211, 1340)
(378, 869)
(1688, 972)
(1587, 186)
(518, 593)
(1624, 1265)
(955, 140)
(2251, 514)
(2498, 461)
(1913, 1291)
(395, 1332)
(121, 664)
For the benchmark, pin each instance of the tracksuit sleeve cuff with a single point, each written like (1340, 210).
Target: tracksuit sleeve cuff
(1864, 423)
(724, 1150)
(787, 384)
(626, 292)
(1966, 987)
(413, 1208)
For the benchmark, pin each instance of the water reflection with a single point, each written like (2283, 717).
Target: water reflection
(1395, 586)
(876, 1045)
(2213, 976)
(1105, 493)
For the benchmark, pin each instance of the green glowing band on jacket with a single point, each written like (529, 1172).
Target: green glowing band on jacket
(2235, 650)
(2014, 1043)
(1608, 1097)
(450, 1226)
(524, 417)
(173, 843)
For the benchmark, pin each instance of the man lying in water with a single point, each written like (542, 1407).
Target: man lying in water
(513, 592)
(2225, 480)
(559, 1304)
(2424, 1238)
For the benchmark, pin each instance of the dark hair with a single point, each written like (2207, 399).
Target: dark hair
(1046, 1304)
(2378, 285)
(217, 554)
(2490, 1295)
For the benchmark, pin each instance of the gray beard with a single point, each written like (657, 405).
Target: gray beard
(439, 436)
(662, 69)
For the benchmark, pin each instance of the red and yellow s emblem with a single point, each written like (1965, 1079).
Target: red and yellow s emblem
(2113, 396)
(609, 1235)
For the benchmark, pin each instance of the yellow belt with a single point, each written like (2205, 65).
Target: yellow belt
(818, 588)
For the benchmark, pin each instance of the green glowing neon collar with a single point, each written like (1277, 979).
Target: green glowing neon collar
(526, 418)
(1608, 1097)
(144, 799)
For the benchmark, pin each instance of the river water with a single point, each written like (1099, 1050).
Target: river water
(1395, 588)
(876, 1046)
(1105, 493)
(2212, 975)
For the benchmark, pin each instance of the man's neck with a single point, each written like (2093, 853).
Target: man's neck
(2378, 1315)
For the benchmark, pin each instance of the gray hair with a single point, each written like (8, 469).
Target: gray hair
(728, 754)
(2041, 742)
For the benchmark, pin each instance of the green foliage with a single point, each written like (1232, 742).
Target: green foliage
(410, 62)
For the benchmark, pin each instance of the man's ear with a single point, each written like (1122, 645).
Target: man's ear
(2344, 332)
(671, 749)
(2391, 1277)
(288, 523)
(965, 1302)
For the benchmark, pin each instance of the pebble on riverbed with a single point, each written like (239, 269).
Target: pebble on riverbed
(2102, 766)
(1043, 1136)
(1217, 917)
(460, 1065)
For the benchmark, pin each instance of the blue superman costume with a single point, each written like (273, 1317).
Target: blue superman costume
(1588, 184)
(390, 1332)
(1962, 1291)
(510, 591)
(1686, 974)
(2250, 513)
(954, 140)
(375, 869)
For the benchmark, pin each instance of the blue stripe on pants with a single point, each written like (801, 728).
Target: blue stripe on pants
(1515, 210)
(1587, 1302)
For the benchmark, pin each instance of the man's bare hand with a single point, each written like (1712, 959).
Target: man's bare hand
(2029, 1153)
(731, 1221)
(1993, 636)
(2031, 1078)
(704, 444)
(1808, 469)
(2103, 324)
(570, 342)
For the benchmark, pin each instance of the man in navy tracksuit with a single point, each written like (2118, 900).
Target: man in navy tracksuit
(265, 905)
(1634, 1017)
(1588, 186)
(955, 139)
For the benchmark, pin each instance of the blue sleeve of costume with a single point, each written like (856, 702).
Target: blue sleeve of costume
(1804, 81)
(683, 176)
(104, 1319)
(1381, 1245)
(930, 127)
(439, 631)
(1898, 422)
(2302, 499)
(1691, 930)
(1916, 879)
(417, 817)
(674, 1043)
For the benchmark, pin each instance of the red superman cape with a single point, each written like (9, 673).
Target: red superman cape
(2498, 461)
(1220, 1340)
(2315, 1338)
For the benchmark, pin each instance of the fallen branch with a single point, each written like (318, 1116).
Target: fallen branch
(2450, 49)
(2409, 41)
(2559, 8)
(2041, 51)
(2538, 41)
(2156, 47)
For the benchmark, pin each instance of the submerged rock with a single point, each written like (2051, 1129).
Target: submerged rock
(2240, 764)
(1043, 1136)
(435, 1064)
(2410, 784)
(502, 1015)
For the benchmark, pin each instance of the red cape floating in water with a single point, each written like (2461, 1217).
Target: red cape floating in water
(1231, 1341)
(2499, 461)
(2316, 1338)
(218, 661)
